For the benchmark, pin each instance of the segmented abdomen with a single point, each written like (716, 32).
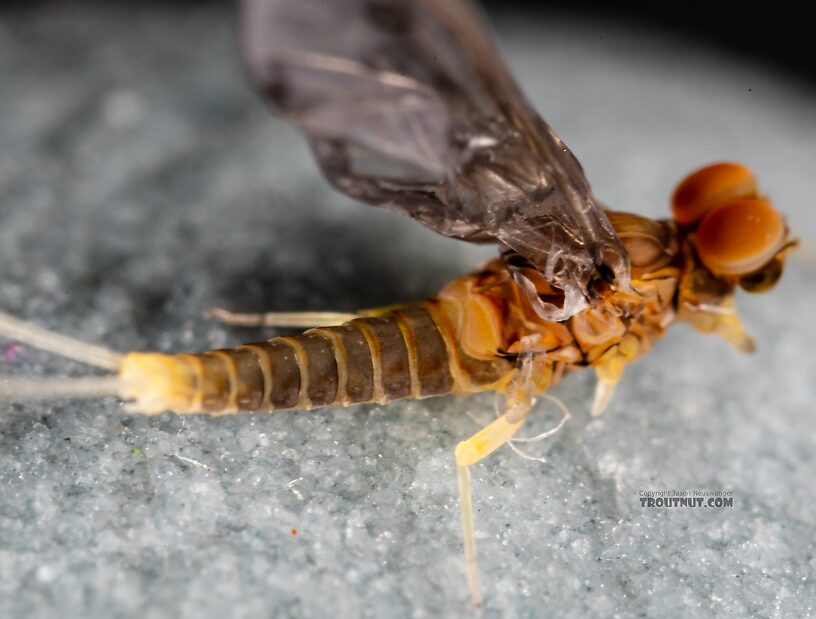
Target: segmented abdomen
(399, 355)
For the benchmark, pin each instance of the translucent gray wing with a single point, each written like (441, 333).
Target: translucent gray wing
(407, 105)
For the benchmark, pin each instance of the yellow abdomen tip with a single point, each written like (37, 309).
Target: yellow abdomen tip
(156, 383)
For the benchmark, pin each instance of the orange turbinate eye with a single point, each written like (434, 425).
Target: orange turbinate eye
(709, 186)
(740, 236)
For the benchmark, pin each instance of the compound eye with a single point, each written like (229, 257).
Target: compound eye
(709, 186)
(764, 279)
(739, 237)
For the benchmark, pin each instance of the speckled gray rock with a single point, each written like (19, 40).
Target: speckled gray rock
(141, 183)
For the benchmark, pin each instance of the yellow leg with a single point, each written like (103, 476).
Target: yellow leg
(610, 371)
(468, 453)
(280, 319)
(722, 320)
(604, 390)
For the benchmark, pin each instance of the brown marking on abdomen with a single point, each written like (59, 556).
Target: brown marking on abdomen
(359, 368)
(469, 374)
(321, 368)
(392, 356)
(428, 350)
(285, 374)
(380, 359)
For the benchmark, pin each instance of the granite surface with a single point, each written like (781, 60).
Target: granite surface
(141, 182)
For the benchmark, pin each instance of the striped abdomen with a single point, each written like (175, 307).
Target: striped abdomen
(365, 360)
(404, 353)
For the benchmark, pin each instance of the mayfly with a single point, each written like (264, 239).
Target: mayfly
(407, 105)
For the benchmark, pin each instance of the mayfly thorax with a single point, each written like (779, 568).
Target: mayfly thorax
(408, 106)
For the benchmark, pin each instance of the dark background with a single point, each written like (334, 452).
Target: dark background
(780, 32)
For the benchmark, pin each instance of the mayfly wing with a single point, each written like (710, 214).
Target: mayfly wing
(408, 105)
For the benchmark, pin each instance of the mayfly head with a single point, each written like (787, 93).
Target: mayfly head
(731, 236)
(734, 231)
(746, 240)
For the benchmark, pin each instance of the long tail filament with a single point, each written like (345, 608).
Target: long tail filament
(68, 347)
